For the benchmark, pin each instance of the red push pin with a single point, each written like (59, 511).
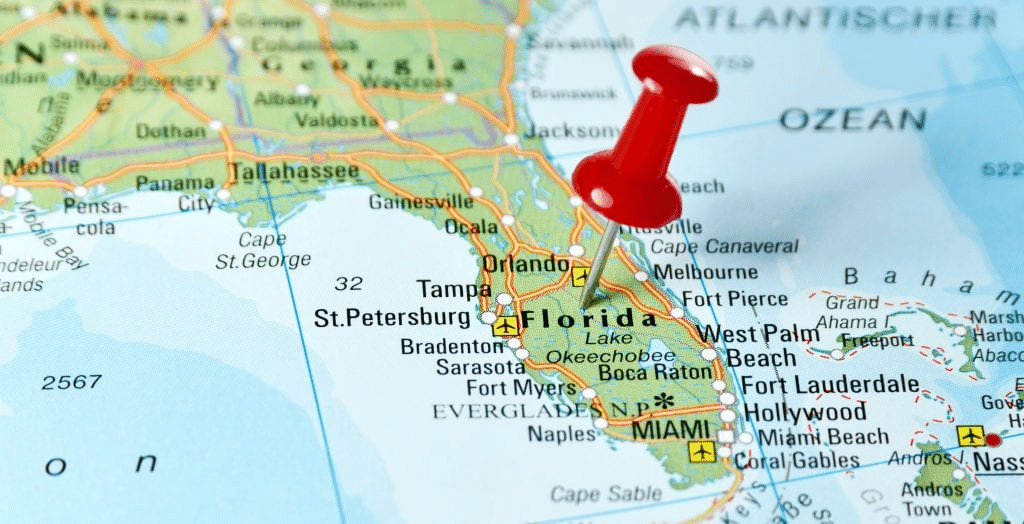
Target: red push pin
(630, 184)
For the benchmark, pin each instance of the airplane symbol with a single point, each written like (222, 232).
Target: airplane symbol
(702, 451)
(505, 326)
(579, 276)
(971, 436)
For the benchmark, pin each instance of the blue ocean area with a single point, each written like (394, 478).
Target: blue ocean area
(227, 447)
(975, 110)
(973, 146)
(989, 130)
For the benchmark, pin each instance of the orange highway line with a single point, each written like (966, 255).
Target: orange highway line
(505, 81)
(557, 367)
(465, 100)
(66, 186)
(190, 49)
(23, 27)
(181, 162)
(537, 293)
(583, 216)
(479, 151)
(419, 113)
(577, 231)
(169, 90)
(432, 36)
(324, 33)
(80, 129)
(474, 239)
(390, 25)
(689, 410)
(209, 36)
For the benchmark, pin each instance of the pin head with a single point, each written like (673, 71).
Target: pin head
(630, 183)
(680, 74)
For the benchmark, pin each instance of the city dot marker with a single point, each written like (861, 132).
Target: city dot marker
(959, 474)
(718, 385)
(724, 451)
(726, 436)
(217, 12)
(708, 354)
(630, 183)
(70, 58)
(488, 317)
(80, 191)
(522, 354)
(575, 201)
(589, 393)
(322, 10)
(513, 30)
(746, 438)
(8, 190)
(640, 276)
(993, 440)
(28, 11)
(677, 312)
(215, 125)
(727, 415)
(449, 97)
(236, 42)
(600, 422)
(504, 299)
(303, 90)
(476, 192)
(223, 194)
(508, 220)
(727, 398)
(960, 331)
(576, 250)
(511, 139)
(514, 343)
(392, 125)
(837, 354)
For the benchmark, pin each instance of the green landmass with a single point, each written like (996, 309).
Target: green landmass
(967, 342)
(966, 495)
(304, 109)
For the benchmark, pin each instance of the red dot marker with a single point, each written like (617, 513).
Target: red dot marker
(993, 440)
(630, 184)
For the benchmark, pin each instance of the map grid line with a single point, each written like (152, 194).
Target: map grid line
(305, 355)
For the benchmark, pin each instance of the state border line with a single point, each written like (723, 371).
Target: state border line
(811, 476)
(305, 355)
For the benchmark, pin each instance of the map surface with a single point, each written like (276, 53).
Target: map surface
(294, 261)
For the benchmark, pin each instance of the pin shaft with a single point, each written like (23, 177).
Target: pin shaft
(611, 231)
